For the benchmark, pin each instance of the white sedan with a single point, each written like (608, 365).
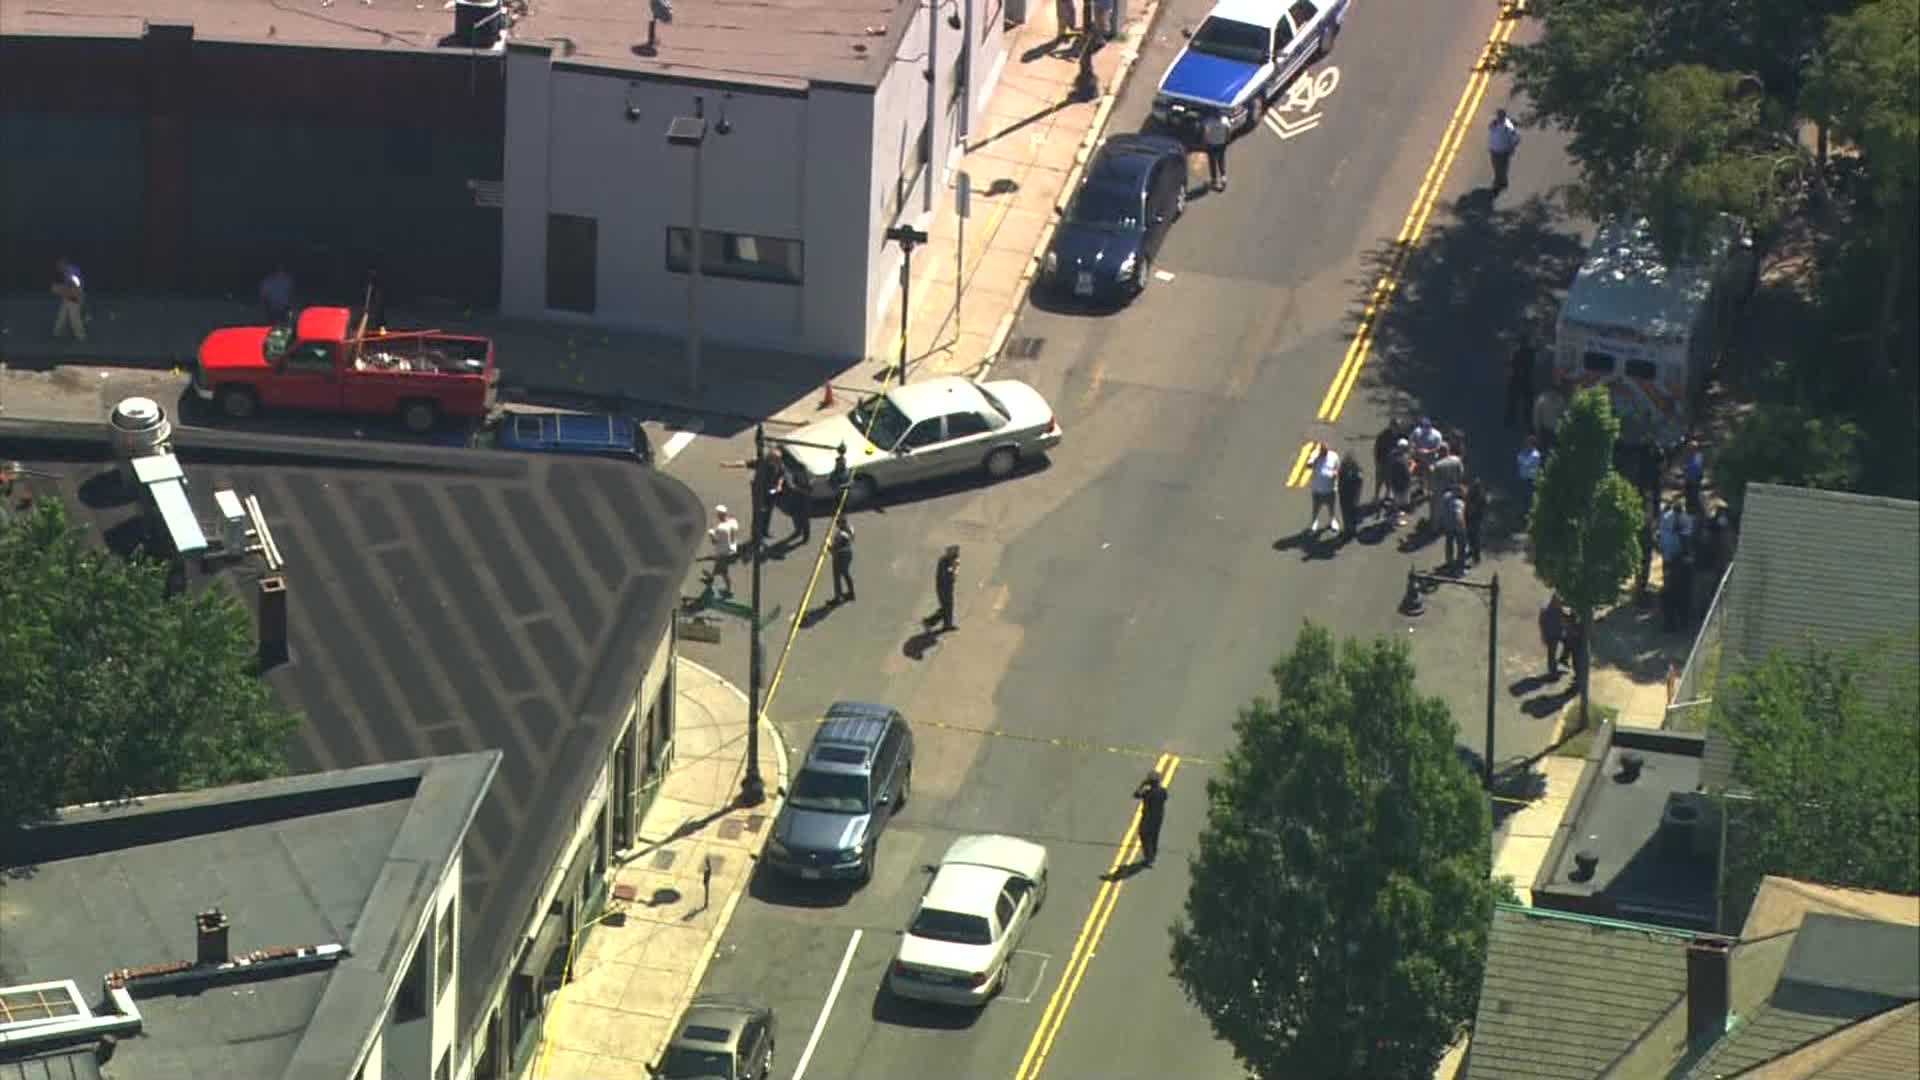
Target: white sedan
(922, 430)
(974, 913)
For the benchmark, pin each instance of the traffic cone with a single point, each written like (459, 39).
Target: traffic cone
(826, 395)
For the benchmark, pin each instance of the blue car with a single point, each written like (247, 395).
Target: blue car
(1241, 59)
(1132, 192)
(592, 434)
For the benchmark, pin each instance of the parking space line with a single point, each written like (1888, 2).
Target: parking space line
(679, 441)
(826, 1009)
(1039, 977)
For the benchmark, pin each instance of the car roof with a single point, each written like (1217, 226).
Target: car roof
(1262, 13)
(1006, 853)
(846, 738)
(717, 1016)
(936, 397)
(1144, 145)
(965, 888)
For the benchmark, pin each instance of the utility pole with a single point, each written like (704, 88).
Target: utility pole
(691, 132)
(908, 238)
(753, 789)
(1413, 604)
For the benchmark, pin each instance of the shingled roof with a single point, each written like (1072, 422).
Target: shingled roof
(1565, 996)
(442, 601)
(1827, 567)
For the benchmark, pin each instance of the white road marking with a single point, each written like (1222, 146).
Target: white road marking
(678, 441)
(1162, 275)
(1039, 977)
(1288, 129)
(826, 1010)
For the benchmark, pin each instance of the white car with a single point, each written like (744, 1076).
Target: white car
(1242, 58)
(922, 430)
(974, 913)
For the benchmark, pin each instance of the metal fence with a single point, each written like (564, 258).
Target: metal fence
(1692, 697)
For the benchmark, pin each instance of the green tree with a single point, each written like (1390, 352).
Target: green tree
(1337, 912)
(109, 687)
(1827, 766)
(1785, 444)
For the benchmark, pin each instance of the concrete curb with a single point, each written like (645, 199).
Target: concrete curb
(776, 742)
(1087, 144)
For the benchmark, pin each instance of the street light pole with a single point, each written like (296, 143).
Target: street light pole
(1413, 605)
(691, 131)
(908, 238)
(753, 788)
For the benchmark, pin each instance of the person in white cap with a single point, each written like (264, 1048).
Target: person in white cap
(725, 537)
(1324, 485)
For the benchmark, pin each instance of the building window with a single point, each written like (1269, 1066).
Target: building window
(737, 255)
(411, 1003)
(488, 1067)
(445, 1069)
(573, 245)
(443, 955)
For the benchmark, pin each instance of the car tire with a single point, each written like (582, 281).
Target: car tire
(1180, 203)
(864, 491)
(239, 402)
(1001, 463)
(419, 416)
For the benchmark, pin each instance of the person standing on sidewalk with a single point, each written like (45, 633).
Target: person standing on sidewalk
(945, 572)
(1693, 478)
(1153, 813)
(1553, 633)
(725, 538)
(71, 289)
(1527, 464)
(842, 547)
(1520, 384)
(1503, 138)
(1323, 485)
(1450, 514)
(1215, 134)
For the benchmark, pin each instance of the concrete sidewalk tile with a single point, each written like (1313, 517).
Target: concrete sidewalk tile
(564, 1063)
(1059, 153)
(600, 984)
(653, 992)
(1020, 229)
(1001, 267)
(671, 948)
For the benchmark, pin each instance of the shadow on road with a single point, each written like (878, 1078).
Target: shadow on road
(889, 1008)
(772, 887)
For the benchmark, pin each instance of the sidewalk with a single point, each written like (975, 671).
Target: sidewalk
(1023, 159)
(638, 968)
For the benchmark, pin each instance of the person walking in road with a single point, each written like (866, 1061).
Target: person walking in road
(1520, 384)
(944, 573)
(798, 507)
(1450, 514)
(71, 289)
(842, 547)
(1215, 134)
(1693, 476)
(1400, 480)
(1322, 484)
(1476, 499)
(1449, 472)
(1153, 813)
(1383, 444)
(766, 491)
(1553, 633)
(1676, 564)
(1351, 484)
(1503, 138)
(725, 538)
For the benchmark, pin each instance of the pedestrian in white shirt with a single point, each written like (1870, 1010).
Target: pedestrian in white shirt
(1325, 486)
(71, 290)
(1215, 134)
(1528, 464)
(725, 538)
(1503, 138)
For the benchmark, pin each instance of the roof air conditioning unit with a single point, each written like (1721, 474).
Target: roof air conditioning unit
(139, 428)
(234, 528)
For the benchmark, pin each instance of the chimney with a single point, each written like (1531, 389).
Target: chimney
(1584, 864)
(1680, 825)
(1708, 988)
(1631, 763)
(211, 938)
(273, 620)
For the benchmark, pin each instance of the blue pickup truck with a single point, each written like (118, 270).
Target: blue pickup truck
(1242, 58)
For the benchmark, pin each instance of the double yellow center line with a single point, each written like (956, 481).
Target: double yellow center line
(1089, 940)
(1387, 286)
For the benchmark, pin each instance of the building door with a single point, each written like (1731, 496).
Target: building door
(573, 254)
(625, 817)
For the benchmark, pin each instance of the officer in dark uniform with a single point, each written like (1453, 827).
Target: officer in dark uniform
(1153, 812)
(842, 546)
(944, 573)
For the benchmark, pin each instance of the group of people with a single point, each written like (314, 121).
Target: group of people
(1410, 464)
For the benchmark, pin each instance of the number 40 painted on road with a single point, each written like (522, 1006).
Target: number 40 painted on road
(1303, 96)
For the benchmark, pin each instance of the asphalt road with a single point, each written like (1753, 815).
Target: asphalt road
(1125, 599)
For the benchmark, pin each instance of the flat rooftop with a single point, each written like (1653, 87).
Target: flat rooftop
(1644, 871)
(440, 601)
(790, 42)
(345, 858)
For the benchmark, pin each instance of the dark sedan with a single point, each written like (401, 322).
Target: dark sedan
(1133, 191)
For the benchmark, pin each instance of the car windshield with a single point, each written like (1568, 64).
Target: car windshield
(1233, 40)
(880, 420)
(278, 340)
(684, 1063)
(1107, 204)
(952, 926)
(995, 402)
(838, 792)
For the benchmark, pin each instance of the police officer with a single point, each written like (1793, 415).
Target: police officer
(842, 547)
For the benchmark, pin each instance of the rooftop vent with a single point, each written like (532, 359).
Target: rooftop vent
(210, 937)
(1585, 862)
(477, 23)
(1631, 763)
(1686, 826)
(140, 429)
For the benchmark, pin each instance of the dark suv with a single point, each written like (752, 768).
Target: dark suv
(855, 779)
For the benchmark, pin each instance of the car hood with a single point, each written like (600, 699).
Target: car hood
(943, 955)
(825, 436)
(236, 348)
(820, 830)
(1215, 80)
(1094, 247)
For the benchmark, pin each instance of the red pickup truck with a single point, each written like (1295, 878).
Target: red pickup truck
(321, 362)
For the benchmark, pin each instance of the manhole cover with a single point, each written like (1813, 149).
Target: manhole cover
(663, 860)
(1025, 348)
(730, 829)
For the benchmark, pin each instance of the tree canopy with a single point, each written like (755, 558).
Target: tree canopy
(112, 688)
(1827, 763)
(1337, 912)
